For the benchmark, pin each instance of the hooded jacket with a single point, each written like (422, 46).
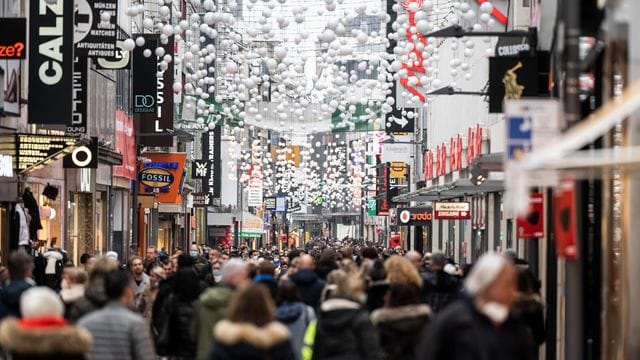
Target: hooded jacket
(296, 316)
(344, 332)
(309, 285)
(211, 308)
(94, 299)
(439, 289)
(250, 342)
(400, 329)
(10, 298)
(53, 341)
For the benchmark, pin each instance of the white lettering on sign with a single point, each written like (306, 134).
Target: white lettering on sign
(6, 166)
(50, 72)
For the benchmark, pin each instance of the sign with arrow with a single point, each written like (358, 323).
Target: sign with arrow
(401, 120)
(451, 211)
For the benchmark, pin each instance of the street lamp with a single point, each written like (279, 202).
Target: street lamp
(449, 90)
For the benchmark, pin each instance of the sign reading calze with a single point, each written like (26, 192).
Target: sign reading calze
(95, 33)
(50, 61)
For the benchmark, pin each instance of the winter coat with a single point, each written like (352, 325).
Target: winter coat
(460, 332)
(400, 329)
(375, 294)
(295, 316)
(94, 299)
(439, 289)
(243, 341)
(10, 298)
(175, 339)
(528, 308)
(345, 332)
(70, 295)
(324, 268)
(34, 210)
(269, 282)
(55, 340)
(211, 308)
(309, 285)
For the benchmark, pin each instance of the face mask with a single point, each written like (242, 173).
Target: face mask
(276, 263)
(193, 253)
(217, 275)
(64, 284)
(496, 312)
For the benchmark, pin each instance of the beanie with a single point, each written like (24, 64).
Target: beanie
(485, 271)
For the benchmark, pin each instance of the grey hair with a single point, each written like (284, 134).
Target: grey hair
(231, 268)
(438, 259)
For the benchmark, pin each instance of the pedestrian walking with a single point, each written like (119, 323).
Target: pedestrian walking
(145, 306)
(140, 278)
(94, 297)
(440, 288)
(293, 313)
(74, 282)
(20, 267)
(307, 281)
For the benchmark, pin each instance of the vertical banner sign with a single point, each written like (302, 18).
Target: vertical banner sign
(50, 61)
(13, 42)
(211, 152)
(93, 36)
(564, 218)
(78, 125)
(532, 224)
(144, 79)
(162, 119)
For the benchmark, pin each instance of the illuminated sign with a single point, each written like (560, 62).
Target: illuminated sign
(413, 216)
(6, 166)
(451, 210)
(155, 177)
(13, 35)
(30, 149)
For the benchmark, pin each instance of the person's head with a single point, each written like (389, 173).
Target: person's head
(156, 275)
(511, 255)
(427, 260)
(266, 268)
(112, 254)
(415, 258)
(369, 253)
(287, 292)
(492, 284)
(152, 253)
(306, 262)
(167, 266)
(340, 283)
(20, 265)
(101, 267)
(72, 276)
(214, 255)
(438, 260)
(118, 286)
(137, 268)
(40, 301)
(293, 253)
(235, 273)
(224, 256)
(194, 251)
(83, 258)
(185, 261)
(400, 294)
(253, 305)
(401, 270)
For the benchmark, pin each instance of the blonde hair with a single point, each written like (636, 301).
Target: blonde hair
(341, 283)
(159, 271)
(401, 271)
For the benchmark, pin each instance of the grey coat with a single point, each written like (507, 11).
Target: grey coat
(118, 334)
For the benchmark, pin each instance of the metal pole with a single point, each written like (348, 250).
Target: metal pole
(572, 112)
(135, 231)
(362, 202)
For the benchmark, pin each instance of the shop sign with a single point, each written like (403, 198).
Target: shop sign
(34, 148)
(211, 184)
(532, 224)
(564, 220)
(13, 38)
(270, 203)
(144, 81)
(427, 158)
(414, 216)
(441, 158)
(155, 177)
(400, 120)
(512, 46)
(281, 203)
(50, 61)
(382, 189)
(455, 158)
(511, 78)
(200, 199)
(11, 86)
(125, 145)
(6, 166)
(474, 143)
(200, 169)
(161, 119)
(83, 157)
(78, 125)
(451, 210)
(93, 36)
(398, 170)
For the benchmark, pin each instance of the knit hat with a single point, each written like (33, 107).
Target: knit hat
(40, 301)
(485, 271)
(112, 254)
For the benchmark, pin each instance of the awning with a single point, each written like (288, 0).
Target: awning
(457, 189)
(170, 208)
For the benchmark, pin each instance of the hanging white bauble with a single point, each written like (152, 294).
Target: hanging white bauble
(477, 27)
(159, 51)
(468, 53)
(129, 45)
(467, 76)
(486, 7)
(484, 17)
(231, 67)
(464, 7)
(140, 41)
(164, 11)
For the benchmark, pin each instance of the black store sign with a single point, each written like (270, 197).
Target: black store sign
(13, 42)
(94, 37)
(144, 79)
(78, 125)
(50, 61)
(211, 151)
(31, 149)
(85, 156)
(201, 199)
(398, 123)
(414, 216)
(200, 169)
(511, 78)
(162, 119)
(270, 203)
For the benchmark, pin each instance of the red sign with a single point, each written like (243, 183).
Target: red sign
(441, 158)
(474, 144)
(532, 225)
(125, 145)
(428, 164)
(451, 210)
(564, 220)
(455, 158)
(415, 65)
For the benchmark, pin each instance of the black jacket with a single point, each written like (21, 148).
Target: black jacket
(529, 310)
(345, 332)
(94, 298)
(310, 287)
(375, 294)
(10, 298)
(460, 332)
(400, 329)
(439, 289)
(34, 210)
(235, 341)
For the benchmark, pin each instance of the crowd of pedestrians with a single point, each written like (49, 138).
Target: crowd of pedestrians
(328, 301)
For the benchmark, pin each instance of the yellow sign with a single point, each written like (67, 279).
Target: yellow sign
(397, 170)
